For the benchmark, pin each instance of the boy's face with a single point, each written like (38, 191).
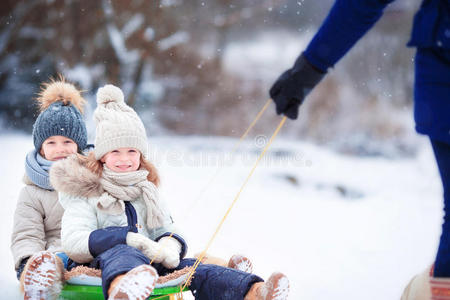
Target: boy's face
(122, 160)
(58, 147)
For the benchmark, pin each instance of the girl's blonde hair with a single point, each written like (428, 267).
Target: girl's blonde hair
(96, 166)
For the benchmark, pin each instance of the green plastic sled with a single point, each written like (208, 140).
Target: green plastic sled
(87, 292)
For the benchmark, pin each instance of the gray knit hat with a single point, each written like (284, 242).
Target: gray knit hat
(61, 105)
(118, 125)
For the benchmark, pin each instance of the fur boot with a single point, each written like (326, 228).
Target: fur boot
(424, 286)
(440, 288)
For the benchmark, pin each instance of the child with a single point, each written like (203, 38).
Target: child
(115, 221)
(58, 132)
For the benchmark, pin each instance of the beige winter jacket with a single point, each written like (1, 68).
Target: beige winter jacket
(37, 222)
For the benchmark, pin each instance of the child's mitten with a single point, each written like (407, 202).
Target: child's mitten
(171, 249)
(150, 248)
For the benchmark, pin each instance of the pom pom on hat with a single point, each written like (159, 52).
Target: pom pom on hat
(117, 124)
(110, 93)
(60, 90)
(60, 105)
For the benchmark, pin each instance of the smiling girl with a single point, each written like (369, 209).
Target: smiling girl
(114, 219)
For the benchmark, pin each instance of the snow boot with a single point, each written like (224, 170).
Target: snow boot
(137, 283)
(241, 263)
(440, 288)
(426, 287)
(42, 277)
(275, 288)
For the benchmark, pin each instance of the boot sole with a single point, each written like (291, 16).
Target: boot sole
(138, 283)
(241, 263)
(39, 276)
(277, 287)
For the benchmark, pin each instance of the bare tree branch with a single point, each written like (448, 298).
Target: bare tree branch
(18, 17)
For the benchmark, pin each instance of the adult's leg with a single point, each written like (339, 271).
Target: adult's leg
(442, 154)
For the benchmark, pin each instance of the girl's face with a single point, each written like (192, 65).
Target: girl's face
(58, 147)
(122, 160)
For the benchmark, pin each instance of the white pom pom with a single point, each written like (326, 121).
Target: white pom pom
(109, 93)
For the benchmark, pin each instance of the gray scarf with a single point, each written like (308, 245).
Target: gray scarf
(36, 168)
(131, 186)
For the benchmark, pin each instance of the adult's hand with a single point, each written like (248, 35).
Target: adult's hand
(291, 88)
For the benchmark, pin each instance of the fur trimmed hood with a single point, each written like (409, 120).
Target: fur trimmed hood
(72, 177)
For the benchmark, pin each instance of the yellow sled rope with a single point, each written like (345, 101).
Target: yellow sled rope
(203, 253)
(211, 180)
(72, 292)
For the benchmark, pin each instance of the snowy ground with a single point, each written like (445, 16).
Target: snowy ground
(340, 227)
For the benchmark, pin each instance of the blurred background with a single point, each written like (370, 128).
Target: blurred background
(205, 67)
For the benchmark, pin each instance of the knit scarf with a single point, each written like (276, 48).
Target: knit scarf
(130, 186)
(36, 168)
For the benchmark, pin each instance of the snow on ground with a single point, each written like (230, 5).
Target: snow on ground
(339, 227)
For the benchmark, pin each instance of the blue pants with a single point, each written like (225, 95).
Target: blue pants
(208, 282)
(64, 258)
(442, 154)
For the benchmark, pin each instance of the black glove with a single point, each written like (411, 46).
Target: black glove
(291, 88)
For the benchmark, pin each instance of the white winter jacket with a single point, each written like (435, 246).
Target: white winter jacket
(79, 191)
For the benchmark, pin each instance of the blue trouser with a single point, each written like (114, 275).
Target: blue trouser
(209, 281)
(64, 258)
(442, 154)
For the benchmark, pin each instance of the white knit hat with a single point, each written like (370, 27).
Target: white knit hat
(118, 125)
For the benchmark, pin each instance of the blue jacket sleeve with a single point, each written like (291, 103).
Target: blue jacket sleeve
(101, 240)
(346, 23)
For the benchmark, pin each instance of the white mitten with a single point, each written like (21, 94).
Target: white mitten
(147, 246)
(171, 248)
